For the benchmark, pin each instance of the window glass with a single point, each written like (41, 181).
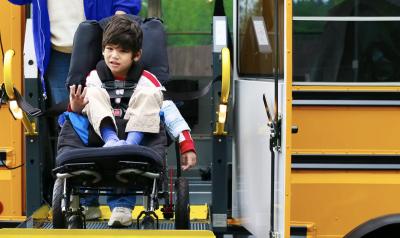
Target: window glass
(345, 7)
(251, 60)
(343, 49)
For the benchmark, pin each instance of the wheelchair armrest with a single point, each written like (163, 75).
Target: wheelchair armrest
(144, 166)
(68, 168)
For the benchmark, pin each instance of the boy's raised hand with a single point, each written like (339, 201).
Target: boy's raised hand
(77, 98)
(188, 160)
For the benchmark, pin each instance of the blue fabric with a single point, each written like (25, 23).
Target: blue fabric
(121, 201)
(162, 118)
(108, 134)
(56, 75)
(112, 201)
(89, 201)
(61, 120)
(94, 10)
(79, 122)
(134, 138)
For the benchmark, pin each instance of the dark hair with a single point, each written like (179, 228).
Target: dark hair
(124, 32)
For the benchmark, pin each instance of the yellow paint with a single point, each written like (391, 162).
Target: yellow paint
(225, 88)
(8, 74)
(12, 192)
(5, 175)
(343, 88)
(288, 73)
(346, 130)
(197, 212)
(31, 233)
(19, 219)
(338, 201)
(226, 75)
(42, 213)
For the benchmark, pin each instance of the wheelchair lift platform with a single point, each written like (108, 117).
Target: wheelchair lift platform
(40, 225)
(10, 233)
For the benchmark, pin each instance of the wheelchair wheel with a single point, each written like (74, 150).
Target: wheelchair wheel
(59, 221)
(182, 208)
(75, 222)
(147, 223)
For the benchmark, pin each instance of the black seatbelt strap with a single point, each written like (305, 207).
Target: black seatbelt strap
(22, 103)
(25, 106)
(184, 96)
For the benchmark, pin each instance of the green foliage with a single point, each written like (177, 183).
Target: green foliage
(313, 8)
(188, 22)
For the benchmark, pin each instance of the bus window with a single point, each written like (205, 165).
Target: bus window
(346, 41)
(251, 62)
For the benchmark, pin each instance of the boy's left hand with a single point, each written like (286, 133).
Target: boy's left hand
(188, 160)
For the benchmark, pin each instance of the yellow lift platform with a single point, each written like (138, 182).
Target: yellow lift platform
(39, 225)
(31, 233)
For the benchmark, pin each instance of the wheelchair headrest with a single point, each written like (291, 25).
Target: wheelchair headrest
(87, 49)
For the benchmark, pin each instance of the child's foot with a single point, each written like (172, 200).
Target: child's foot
(120, 217)
(91, 213)
(111, 143)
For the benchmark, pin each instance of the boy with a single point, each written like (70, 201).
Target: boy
(122, 41)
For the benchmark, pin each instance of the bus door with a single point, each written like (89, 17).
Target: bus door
(261, 117)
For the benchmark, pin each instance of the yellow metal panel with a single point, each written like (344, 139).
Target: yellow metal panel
(31, 233)
(338, 201)
(352, 88)
(346, 129)
(197, 212)
(11, 184)
(288, 133)
(5, 175)
(42, 213)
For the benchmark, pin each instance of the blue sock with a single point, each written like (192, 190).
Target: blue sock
(134, 137)
(108, 134)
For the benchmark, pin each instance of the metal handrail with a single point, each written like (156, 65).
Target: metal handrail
(9, 88)
(225, 89)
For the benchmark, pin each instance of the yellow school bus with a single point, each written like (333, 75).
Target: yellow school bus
(345, 156)
(325, 162)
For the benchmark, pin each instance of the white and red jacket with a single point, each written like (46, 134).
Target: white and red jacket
(175, 124)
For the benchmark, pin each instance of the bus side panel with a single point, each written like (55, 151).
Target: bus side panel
(11, 181)
(346, 129)
(337, 201)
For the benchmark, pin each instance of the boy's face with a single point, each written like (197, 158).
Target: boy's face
(119, 60)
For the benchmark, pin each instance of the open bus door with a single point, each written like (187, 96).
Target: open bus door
(262, 81)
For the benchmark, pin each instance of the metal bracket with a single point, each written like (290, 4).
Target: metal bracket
(274, 234)
(275, 125)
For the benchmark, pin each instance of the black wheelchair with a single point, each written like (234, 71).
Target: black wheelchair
(124, 170)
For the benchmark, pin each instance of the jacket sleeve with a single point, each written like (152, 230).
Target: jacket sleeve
(128, 6)
(20, 2)
(186, 142)
(177, 127)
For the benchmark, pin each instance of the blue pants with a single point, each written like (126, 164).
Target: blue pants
(112, 201)
(56, 76)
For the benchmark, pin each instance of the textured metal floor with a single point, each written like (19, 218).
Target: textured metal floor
(164, 225)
